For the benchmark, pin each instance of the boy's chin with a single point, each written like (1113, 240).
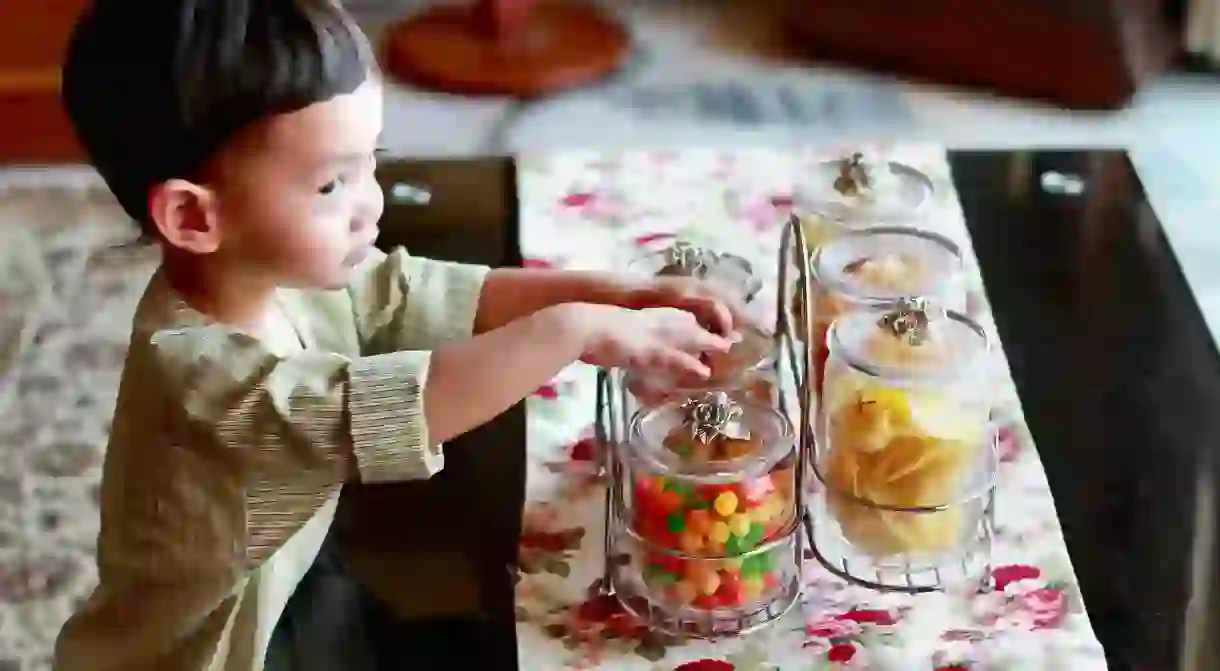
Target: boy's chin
(337, 279)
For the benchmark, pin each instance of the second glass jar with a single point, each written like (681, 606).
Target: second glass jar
(710, 476)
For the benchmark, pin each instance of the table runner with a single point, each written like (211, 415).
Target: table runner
(591, 210)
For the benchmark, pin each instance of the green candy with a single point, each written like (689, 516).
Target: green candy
(765, 562)
(743, 544)
(734, 546)
(675, 522)
(758, 564)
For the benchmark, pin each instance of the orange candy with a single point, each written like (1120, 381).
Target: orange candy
(698, 521)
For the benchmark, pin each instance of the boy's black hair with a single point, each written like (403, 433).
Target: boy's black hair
(153, 88)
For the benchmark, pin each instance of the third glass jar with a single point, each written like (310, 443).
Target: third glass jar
(904, 444)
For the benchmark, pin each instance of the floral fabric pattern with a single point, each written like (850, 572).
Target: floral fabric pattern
(594, 211)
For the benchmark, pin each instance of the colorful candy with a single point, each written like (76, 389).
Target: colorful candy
(712, 531)
(712, 520)
(715, 583)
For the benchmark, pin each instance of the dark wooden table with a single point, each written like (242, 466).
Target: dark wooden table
(1116, 369)
(1119, 378)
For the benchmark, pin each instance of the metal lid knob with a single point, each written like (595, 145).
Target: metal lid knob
(908, 321)
(712, 416)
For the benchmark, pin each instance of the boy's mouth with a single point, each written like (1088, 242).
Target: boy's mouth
(357, 255)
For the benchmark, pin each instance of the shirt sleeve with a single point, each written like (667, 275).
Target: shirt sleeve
(403, 302)
(271, 416)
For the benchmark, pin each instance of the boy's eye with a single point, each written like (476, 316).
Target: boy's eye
(329, 187)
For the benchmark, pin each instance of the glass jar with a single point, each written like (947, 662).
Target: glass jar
(904, 445)
(856, 192)
(711, 476)
(746, 368)
(704, 596)
(872, 270)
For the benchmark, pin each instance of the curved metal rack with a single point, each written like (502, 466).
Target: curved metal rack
(792, 362)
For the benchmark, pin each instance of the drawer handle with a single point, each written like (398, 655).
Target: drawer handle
(402, 193)
(1062, 183)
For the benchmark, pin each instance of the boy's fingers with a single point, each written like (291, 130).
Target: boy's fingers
(688, 363)
(704, 340)
(713, 313)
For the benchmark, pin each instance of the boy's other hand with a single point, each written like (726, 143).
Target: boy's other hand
(712, 305)
(666, 340)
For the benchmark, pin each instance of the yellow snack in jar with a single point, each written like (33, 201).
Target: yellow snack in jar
(879, 455)
(868, 422)
(883, 533)
(917, 471)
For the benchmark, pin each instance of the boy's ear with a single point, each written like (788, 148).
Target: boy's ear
(185, 215)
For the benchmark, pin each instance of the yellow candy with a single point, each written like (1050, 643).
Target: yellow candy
(690, 542)
(685, 591)
(732, 564)
(751, 587)
(739, 524)
(725, 504)
(761, 514)
(711, 583)
(719, 532)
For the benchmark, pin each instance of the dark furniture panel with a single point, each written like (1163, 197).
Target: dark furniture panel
(446, 547)
(1078, 53)
(1120, 382)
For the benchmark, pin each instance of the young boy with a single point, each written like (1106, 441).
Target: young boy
(275, 354)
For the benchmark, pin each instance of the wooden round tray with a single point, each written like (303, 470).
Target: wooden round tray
(545, 48)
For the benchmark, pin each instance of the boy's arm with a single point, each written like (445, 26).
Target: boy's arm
(382, 417)
(511, 293)
(404, 302)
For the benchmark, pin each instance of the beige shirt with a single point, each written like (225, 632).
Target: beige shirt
(228, 453)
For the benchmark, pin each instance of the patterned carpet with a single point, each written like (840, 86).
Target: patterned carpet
(67, 292)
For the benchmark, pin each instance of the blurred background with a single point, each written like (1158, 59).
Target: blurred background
(704, 72)
(517, 76)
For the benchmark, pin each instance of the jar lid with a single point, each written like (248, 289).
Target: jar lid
(857, 188)
(730, 370)
(712, 437)
(910, 344)
(883, 264)
(682, 259)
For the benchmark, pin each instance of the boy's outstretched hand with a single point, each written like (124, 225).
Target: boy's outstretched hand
(664, 340)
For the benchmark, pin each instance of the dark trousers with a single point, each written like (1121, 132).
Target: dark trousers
(333, 623)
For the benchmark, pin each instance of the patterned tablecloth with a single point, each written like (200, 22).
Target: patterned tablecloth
(591, 210)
